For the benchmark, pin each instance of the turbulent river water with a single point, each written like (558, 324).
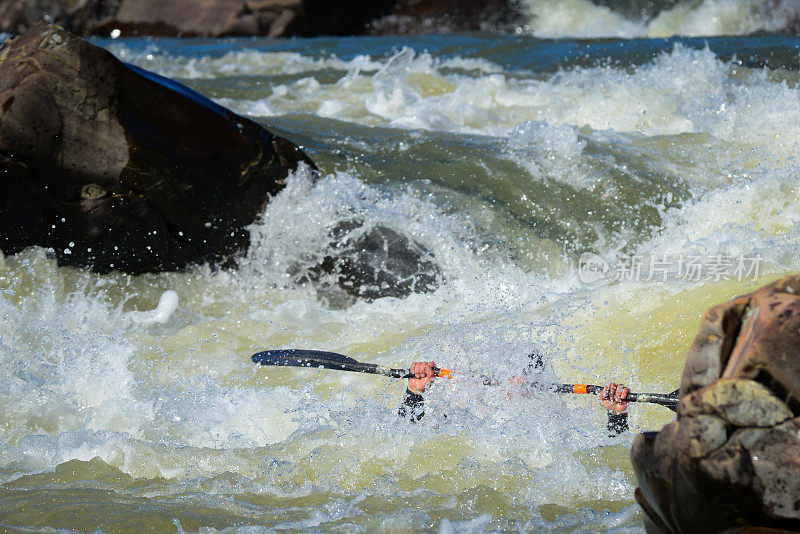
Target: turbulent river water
(130, 403)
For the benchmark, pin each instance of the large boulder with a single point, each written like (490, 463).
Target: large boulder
(732, 457)
(114, 167)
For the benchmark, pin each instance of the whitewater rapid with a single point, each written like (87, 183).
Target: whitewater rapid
(137, 394)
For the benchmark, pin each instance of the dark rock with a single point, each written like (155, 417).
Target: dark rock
(638, 9)
(115, 167)
(207, 18)
(204, 18)
(77, 16)
(351, 17)
(732, 458)
(217, 18)
(375, 262)
(414, 17)
(212, 18)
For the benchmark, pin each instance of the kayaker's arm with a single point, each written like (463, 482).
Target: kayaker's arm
(413, 405)
(612, 397)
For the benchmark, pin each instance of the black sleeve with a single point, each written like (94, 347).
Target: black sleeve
(413, 406)
(617, 423)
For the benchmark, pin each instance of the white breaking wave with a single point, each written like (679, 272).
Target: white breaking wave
(585, 19)
(248, 62)
(684, 91)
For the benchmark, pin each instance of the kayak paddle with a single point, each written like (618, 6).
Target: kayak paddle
(331, 360)
(339, 362)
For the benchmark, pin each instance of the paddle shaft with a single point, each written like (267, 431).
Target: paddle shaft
(669, 400)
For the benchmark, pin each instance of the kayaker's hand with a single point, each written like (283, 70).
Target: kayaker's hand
(423, 375)
(613, 396)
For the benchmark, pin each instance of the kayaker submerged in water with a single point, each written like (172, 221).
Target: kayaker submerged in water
(536, 376)
(612, 397)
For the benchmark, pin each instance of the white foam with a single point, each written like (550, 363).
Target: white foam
(758, 220)
(547, 151)
(470, 526)
(684, 91)
(249, 62)
(167, 304)
(583, 18)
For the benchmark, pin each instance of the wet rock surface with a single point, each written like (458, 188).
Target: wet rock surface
(373, 261)
(114, 167)
(282, 18)
(732, 457)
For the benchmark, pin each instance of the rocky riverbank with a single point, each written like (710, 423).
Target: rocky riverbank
(732, 458)
(217, 18)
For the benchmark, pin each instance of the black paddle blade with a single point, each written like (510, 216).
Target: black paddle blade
(324, 360)
(302, 358)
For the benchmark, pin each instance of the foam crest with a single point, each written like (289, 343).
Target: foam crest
(167, 304)
(549, 151)
(256, 63)
(678, 92)
(752, 220)
(64, 365)
(340, 197)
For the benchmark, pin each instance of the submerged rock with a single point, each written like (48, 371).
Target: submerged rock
(372, 262)
(732, 458)
(114, 167)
